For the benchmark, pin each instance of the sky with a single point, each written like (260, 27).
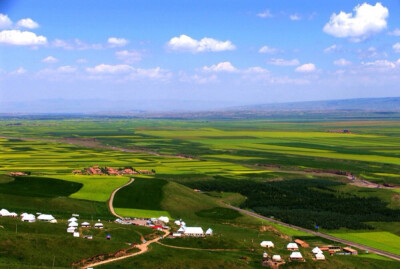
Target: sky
(89, 56)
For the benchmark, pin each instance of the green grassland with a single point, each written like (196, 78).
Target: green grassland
(186, 154)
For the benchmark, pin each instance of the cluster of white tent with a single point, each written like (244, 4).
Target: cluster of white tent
(270, 244)
(319, 255)
(73, 225)
(26, 217)
(190, 231)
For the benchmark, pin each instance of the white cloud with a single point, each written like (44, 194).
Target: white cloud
(295, 17)
(283, 62)
(129, 56)
(50, 59)
(5, 21)
(110, 69)
(197, 78)
(220, 67)
(21, 38)
(306, 68)
(268, 50)
(366, 21)
(395, 32)
(256, 70)
(185, 43)
(381, 64)
(81, 61)
(117, 42)
(333, 48)
(75, 44)
(342, 62)
(60, 71)
(396, 47)
(265, 14)
(27, 23)
(19, 71)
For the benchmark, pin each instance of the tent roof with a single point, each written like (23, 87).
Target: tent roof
(72, 219)
(296, 255)
(45, 217)
(320, 256)
(73, 224)
(193, 230)
(292, 245)
(316, 250)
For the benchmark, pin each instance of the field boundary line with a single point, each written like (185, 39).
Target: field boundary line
(326, 236)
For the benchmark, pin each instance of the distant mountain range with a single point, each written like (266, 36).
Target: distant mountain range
(359, 104)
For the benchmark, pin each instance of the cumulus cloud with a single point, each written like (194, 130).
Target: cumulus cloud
(283, 62)
(5, 21)
(220, 67)
(127, 72)
(75, 44)
(295, 17)
(268, 50)
(27, 23)
(396, 47)
(265, 14)
(21, 38)
(185, 43)
(366, 21)
(381, 64)
(395, 32)
(19, 71)
(342, 62)
(306, 68)
(50, 59)
(127, 56)
(117, 42)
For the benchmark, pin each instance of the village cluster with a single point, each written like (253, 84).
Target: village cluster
(97, 170)
(73, 227)
(297, 256)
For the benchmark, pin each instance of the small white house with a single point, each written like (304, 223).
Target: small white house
(4, 213)
(163, 219)
(209, 232)
(45, 217)
(73, 219)
(29, 218)
(316, 250)
(277, 258)
(320, 256)
(99, 225)
(267, 244)
(194, 231)
(73, 224)
(71, 230)
(296, 256)
(85, 224)
(76, 234)
(292, 246)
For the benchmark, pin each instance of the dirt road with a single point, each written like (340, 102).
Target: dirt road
(111, 200)
(346, 242)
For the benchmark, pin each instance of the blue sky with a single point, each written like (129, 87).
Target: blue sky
(163, 55)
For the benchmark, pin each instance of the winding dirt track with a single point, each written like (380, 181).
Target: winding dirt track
(111, 200)
(336, 239)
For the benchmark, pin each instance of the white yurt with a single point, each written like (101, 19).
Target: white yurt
(85, 224)
(267, 244)
(99, 225)
(320, 256)
(183, 223)
(276, 258)
(53, 221)
(73, 219)
(209, 231)
(13, 215)
(265, 255)
(296, 256)
(29, 218)
(76, 234)
(4, 213)
(316, 250)
(177, 222)
(292, 246)
(71, 230)
(45, 217)
(163, 219)
(73, 224)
